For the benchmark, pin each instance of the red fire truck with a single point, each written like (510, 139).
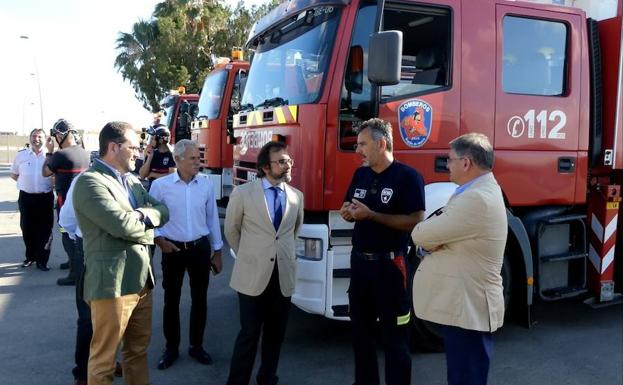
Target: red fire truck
(543, 82)
(212, 127)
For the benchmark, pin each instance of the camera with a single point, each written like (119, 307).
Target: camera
(159, 132)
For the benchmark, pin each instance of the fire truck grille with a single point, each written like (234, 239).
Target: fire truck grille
(244, 172)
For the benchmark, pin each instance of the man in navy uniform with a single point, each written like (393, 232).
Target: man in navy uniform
(385, 200)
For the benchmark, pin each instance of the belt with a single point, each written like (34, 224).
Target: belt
(379, 256)
(36, 193)
(189, 244)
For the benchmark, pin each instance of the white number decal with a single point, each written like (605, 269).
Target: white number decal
(516, 124)
(554, 133)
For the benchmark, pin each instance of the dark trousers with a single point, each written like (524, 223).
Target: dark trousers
(84, 330)
(36, 222)
(468, 353)
(70, 247)
(265, 315)
(377, 291)
(195, 261)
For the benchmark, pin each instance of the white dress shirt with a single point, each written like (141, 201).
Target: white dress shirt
(27, 166)
(67, 216)
(192, 209)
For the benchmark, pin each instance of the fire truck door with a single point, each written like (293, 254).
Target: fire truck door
(538, 109)
(424, 107)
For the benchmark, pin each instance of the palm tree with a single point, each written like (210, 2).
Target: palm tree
(136, 56)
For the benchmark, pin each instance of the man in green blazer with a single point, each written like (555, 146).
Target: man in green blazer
(117, 217)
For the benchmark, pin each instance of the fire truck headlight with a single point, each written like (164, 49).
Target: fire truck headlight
(309, 249)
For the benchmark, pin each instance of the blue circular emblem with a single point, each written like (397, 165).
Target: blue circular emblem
(415, 118)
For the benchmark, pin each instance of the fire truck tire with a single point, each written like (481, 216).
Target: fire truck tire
(425, 336)
(507, 280)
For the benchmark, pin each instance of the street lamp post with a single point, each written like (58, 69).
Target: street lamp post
(24, 37)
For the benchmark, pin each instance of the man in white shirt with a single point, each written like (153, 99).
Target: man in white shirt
(187, 242)
(67, 220)
(36, 201)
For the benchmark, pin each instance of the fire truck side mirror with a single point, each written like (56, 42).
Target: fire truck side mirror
(385, 57)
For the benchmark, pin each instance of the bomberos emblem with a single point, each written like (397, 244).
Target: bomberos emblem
(415, 119)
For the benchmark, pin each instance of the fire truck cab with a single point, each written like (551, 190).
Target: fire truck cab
(212, 128)
(178, 110)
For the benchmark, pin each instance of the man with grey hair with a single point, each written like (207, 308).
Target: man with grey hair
(458, 283)
(191, 241)
(385, 200)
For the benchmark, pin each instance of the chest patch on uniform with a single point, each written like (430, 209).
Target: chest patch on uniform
(359, 193)
(386, 195)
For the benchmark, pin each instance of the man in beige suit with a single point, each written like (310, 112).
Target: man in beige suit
(458, 283)
(261, 223)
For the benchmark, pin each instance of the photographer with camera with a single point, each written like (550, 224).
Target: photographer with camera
(158, 157)
(65, 164)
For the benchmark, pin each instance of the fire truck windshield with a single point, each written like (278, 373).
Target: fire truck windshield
(212, 95)
(291, 61)
(168, 116)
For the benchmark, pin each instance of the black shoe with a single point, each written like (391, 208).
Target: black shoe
(167, 359)
(64, 266)
(42, 267)
(28, 263)
(200, 355)
(67, 281)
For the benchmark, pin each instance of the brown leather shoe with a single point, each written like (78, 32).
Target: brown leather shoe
(118, 370)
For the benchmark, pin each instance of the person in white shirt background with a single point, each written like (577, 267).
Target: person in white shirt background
(36, 201)
(190, 242)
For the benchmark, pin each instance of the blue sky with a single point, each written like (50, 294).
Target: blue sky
(72, 43)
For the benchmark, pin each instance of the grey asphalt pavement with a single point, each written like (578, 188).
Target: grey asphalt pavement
(571, 344)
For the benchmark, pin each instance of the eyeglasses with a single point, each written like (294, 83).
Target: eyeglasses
(283, 162)
(132, 148)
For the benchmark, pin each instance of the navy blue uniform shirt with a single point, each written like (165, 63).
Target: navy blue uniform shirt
(399, 189)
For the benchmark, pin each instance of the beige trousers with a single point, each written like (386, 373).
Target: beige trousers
(127, 320)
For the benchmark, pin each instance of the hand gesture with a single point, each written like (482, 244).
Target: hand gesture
(345, 213)
(49, 144)
(359, 211)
